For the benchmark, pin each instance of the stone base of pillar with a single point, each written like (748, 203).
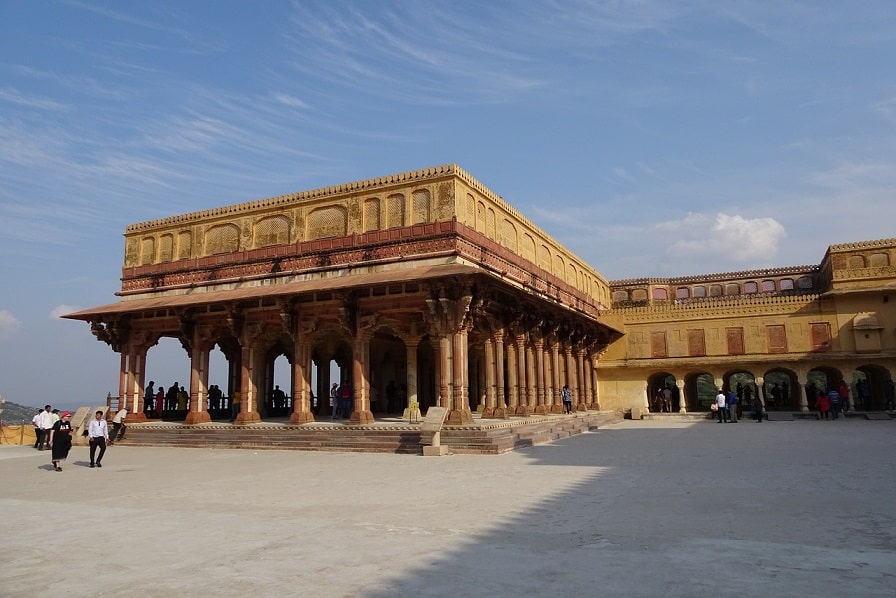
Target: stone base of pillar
(197, 417)
(459, 417)
(542, 410)
(558, 409)
(137, 417)
(682, 410)
(247, 418)
(361, 417)
(501, 413)
(411, 415)
(595, 406)
(301, 417)
(488, 412)
(522, 411)
(581, 407)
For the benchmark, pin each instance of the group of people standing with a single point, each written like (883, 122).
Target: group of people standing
(54, 431)
(157, 402)
(726, 406)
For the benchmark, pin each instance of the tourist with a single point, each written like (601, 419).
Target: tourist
(60, 440)
(148, 396)
(659, 400)
(35, 421)
(732, 406)
(171, 397)
(46, 423)
(566, 397)
(160, 402)
(118, 426)
(334, 399)
(864, 391)
(722, 404)
(824, 405)
(834, 398)
(843, 391)
(182, 399)
(98, 434)
(345, 400)
(757, 408)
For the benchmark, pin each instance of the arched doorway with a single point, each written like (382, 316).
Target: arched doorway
(780, 390)
(700, 391)
(388, 373)
(743, 384)
(662, 393)
(819, 380)
(871, 387)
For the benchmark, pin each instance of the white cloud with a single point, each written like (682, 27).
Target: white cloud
(9, 324)
(61, 310)
(723, 236)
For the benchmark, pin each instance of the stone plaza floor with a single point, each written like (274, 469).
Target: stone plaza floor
(640, 508)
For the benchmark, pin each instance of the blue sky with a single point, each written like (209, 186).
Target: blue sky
(652, 138)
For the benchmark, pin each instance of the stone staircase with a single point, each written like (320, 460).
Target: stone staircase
(484, 437)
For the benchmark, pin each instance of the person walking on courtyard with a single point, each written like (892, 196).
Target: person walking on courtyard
(732, 406)
(35, 421)
(824, 406)
(834, 398)
(61, 439)
(118, 426)
(757, 407)
(890, 395)
(46, 423)
(98, 434)
(566, 397)
(843, 391)
(722, 404)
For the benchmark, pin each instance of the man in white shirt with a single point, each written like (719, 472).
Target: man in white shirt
(99, 434)
(46, 422)
(118, 426)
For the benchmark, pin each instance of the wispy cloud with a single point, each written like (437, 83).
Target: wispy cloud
(738, 239)
(9, 324)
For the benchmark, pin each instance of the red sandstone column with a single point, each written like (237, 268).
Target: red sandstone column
(489, 409)
(248, 387)
(444, 370)
(411, 375)
(460, 413)
(556, 406)
(581, 385)
(500, 397)
(301, 405)
(512, 379)
(361, 413)
(571, 378)
(531, 386)
(520, 345)
(542, 408)
(198, 386)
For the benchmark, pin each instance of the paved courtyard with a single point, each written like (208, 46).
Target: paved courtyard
(801, 508)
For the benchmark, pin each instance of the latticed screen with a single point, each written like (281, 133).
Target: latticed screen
(777, 338)
(821, 336)
(371, 214)
(696, 343)
(166, 248)
(735, 341)
(395, 211)
(658, 344)
(331, 221)
(222, 239)
(272, 231)
(147, 251)
(184, 245)
(422, 208)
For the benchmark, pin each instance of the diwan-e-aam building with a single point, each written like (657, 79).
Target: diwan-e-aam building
(431, 282)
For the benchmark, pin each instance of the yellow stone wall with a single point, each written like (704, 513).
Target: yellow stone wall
(424, 196)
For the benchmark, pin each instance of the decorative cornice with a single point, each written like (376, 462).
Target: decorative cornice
(863, 245)
(720, 277)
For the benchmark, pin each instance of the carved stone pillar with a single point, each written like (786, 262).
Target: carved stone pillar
(248, 385)
(804, 400)
(198, 385)
(361, 413)
(302, 412)
(760, 383)
(489, 347)
(557, 369)
(444, 370)
(571, 378)
(588, 371)
(850, 399)
(411, 346)
(542, 408)
(582, 403)
(682, 401)
(521, 408)
(460, 413)
(501, 411)
(531, 385)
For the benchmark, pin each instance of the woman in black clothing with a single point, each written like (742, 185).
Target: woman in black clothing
(61, 439)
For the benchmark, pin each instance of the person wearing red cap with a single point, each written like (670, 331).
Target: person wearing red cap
(61, 439)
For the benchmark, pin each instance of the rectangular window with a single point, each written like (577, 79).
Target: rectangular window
(777, 338)
(658, 344)
(735, 341)
(696, 343)
(821, 336)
